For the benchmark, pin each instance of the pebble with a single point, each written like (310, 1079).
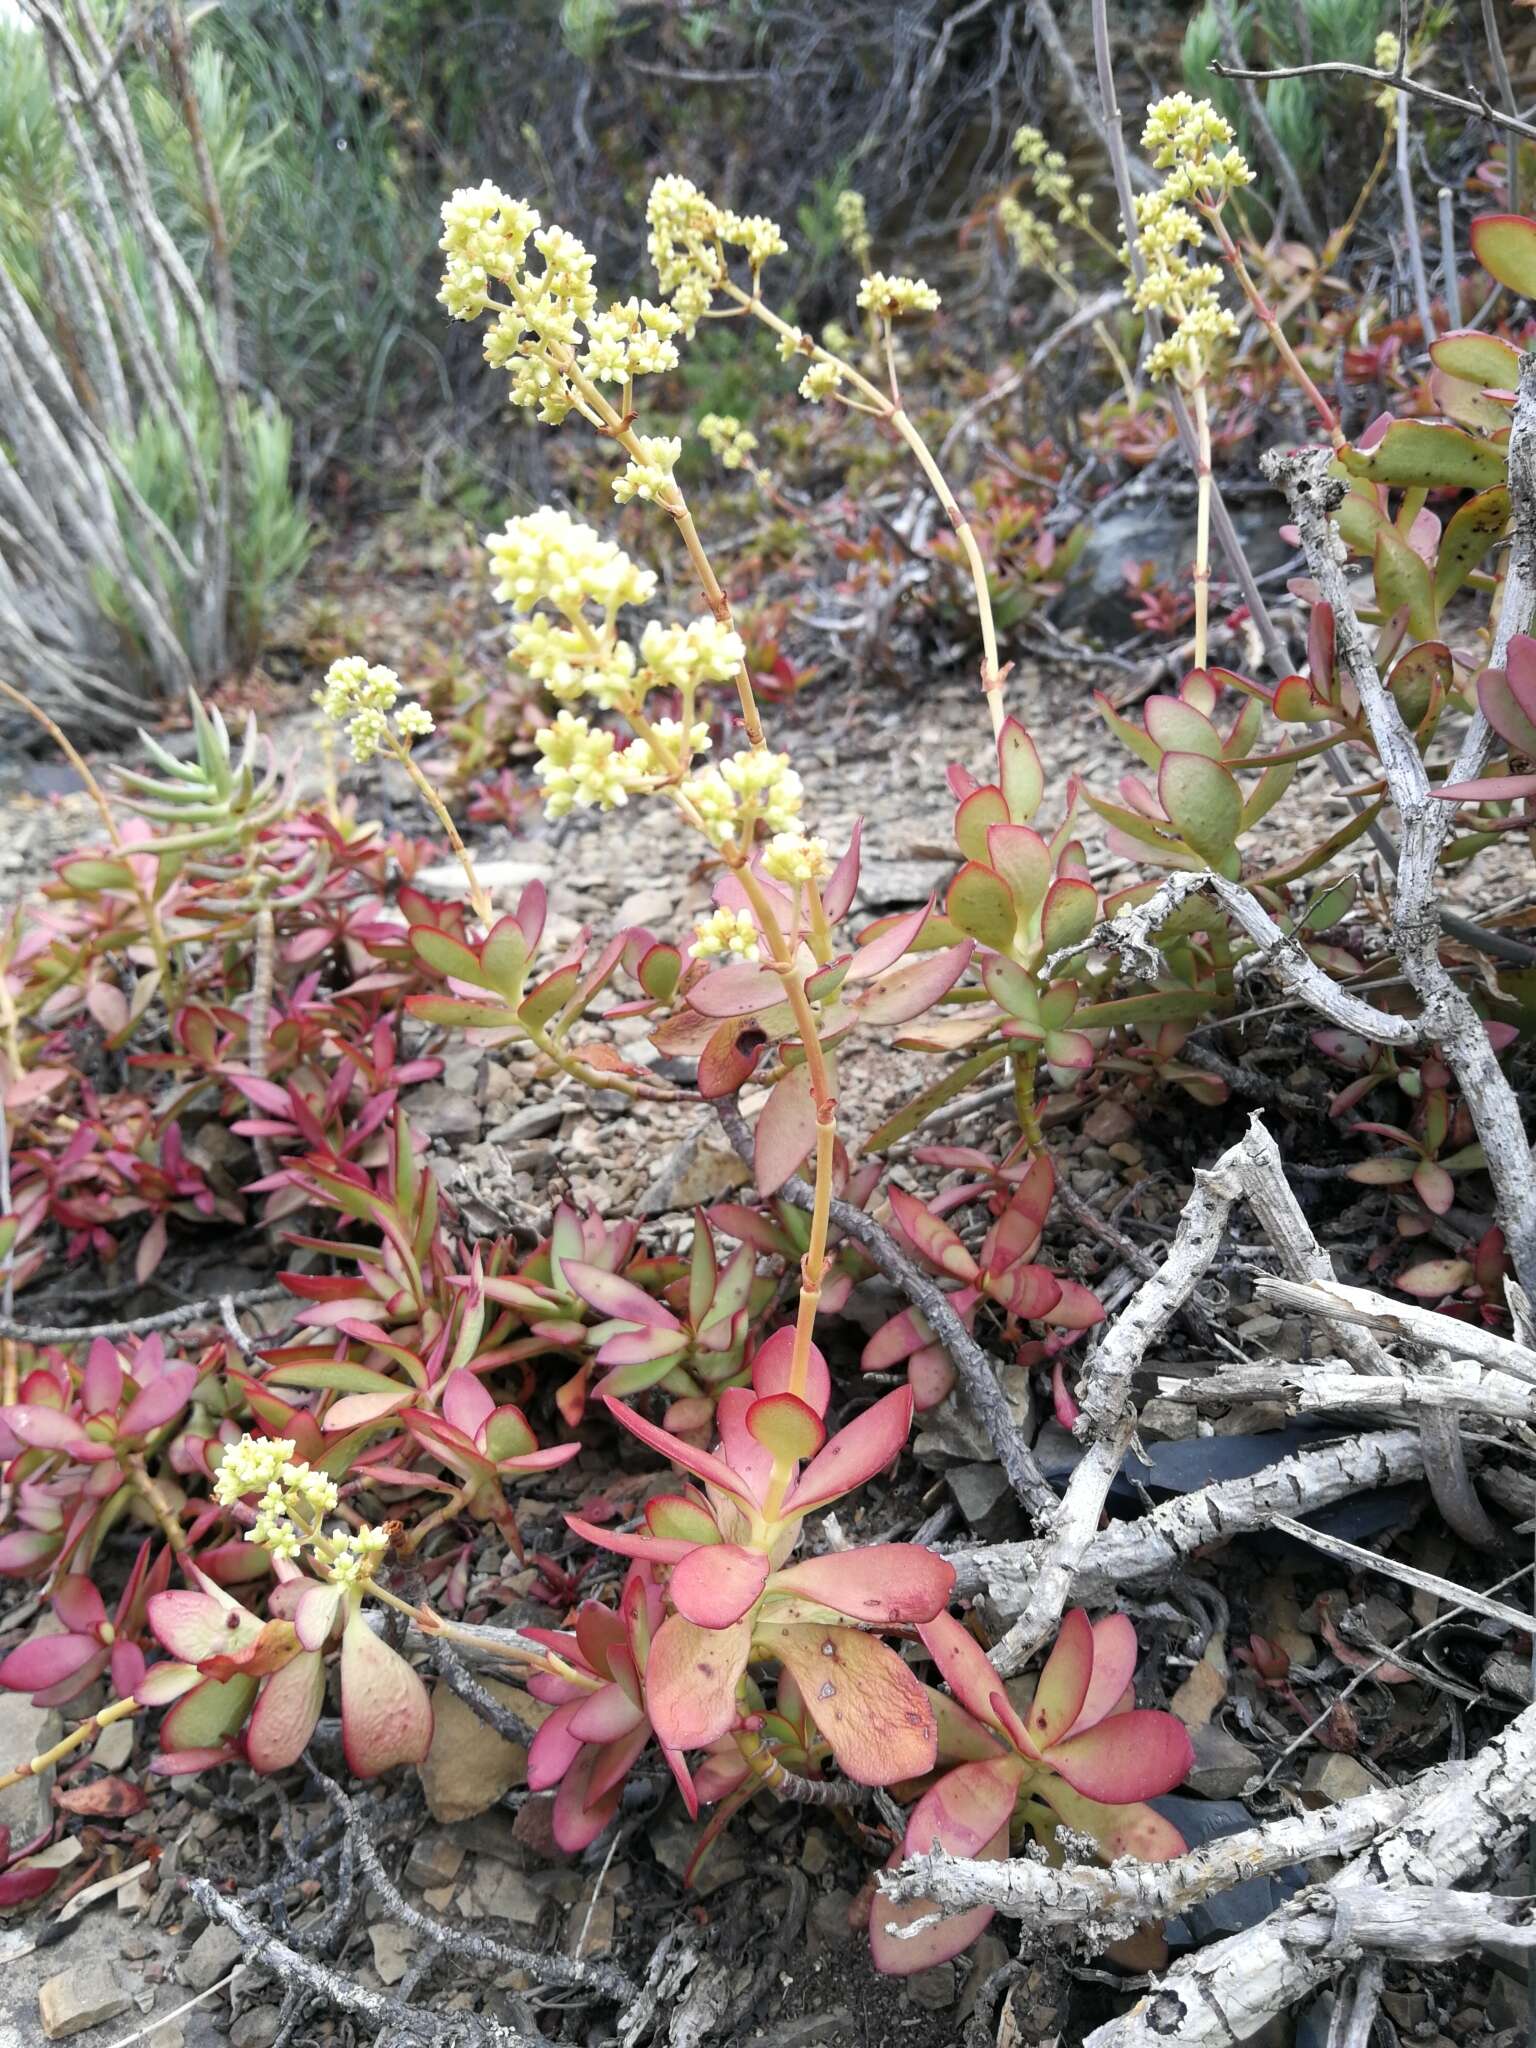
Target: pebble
(82, 1997)
(433, 1860)
(26, 1731)
(255, 2028)
(1332, 1776)
(829, 1919)
(393, 1948)
(1222, 1765)
(933, 1989)
(212, 1956)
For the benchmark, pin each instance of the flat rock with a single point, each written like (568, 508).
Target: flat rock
(444, 1112)
(255, 2028)
(82, 1997)
(393, 1948)
(26, 1731)
(503, 880)
(212, 1956)
(433, 1861)
(498, 1892)
(469, 1766)
(1222, 1765)
(1332, 1776)
(985, 1498)
(700, 1168)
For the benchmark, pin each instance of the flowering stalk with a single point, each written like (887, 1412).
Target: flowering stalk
(1035, 243)
(1191, 142)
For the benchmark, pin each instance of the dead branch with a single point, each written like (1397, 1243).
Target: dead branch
(404, 2023)
(1128, 1892)
(1229, 1990)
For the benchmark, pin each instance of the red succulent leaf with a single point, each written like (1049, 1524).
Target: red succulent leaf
(717, 1583)
(700, 1463)
(866, 1446)
(930, 1237)
(965, 1814)
(1128, 1830)
(891, 1583)
(47, 1661)
(1129, 1756)
(691, 1680)
(26, 1882)
(1114, 1666)
(386, 1716)
(630, 1543)
(863, 1698)
(771, 1364)
(285, 1713)
(1063, 1684)
(579, 1817)
(786, 1130)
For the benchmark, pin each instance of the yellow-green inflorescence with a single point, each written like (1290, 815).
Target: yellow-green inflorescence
(365, 699)
(293, 1501)
(1194, 145)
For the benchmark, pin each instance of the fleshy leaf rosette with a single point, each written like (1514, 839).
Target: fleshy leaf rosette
(1004, 1272)
(239, 1685)
(719, 1548)
(1081, 1747)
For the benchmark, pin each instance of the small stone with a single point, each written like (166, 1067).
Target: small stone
(83, 1997)
(986, 1500)
(433, 1860)
(393, 1948)
(1377, 1618)
(816, 1855)
(987, 1956)
(1168, 1421)
(25, 1732)
(1222, 1765)
(169, 2034)
(673, 1847)
(591, 1934)
(1509, 2002)
(700, 1168)
(256, 2027)
(829, 1919)
(498, 1892)
(114, 1746)
(444, 1112)
(212, 1956)
(646, 907)
(1332, 1776)
(815, 2030)
(1406, 2009)
(469, 1765)
(438, 1898)
(933, 1989)
(1109, 1122)
(503, 880)
(533, 1829)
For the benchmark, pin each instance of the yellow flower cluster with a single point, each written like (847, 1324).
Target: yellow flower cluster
(1034, 240)
(688, 238)
(684, 657)
(853, 225)
(1050, 178)
(363, 698)
(725, 932)
(581, 768)
(792, 858)
(355, 1557)
(545, 322)
(651, 476)
(1195, 145)
(730, 799)
(821, 380)
(894, 297)
(726, 438)
(290, 1492)
(1388, 56)
(1189, 140)
(548, 558)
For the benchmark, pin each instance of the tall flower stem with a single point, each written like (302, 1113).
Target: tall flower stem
(76, 1739)
(1264, 313)
(479, 899)
(888, 407)
(1202, 574)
